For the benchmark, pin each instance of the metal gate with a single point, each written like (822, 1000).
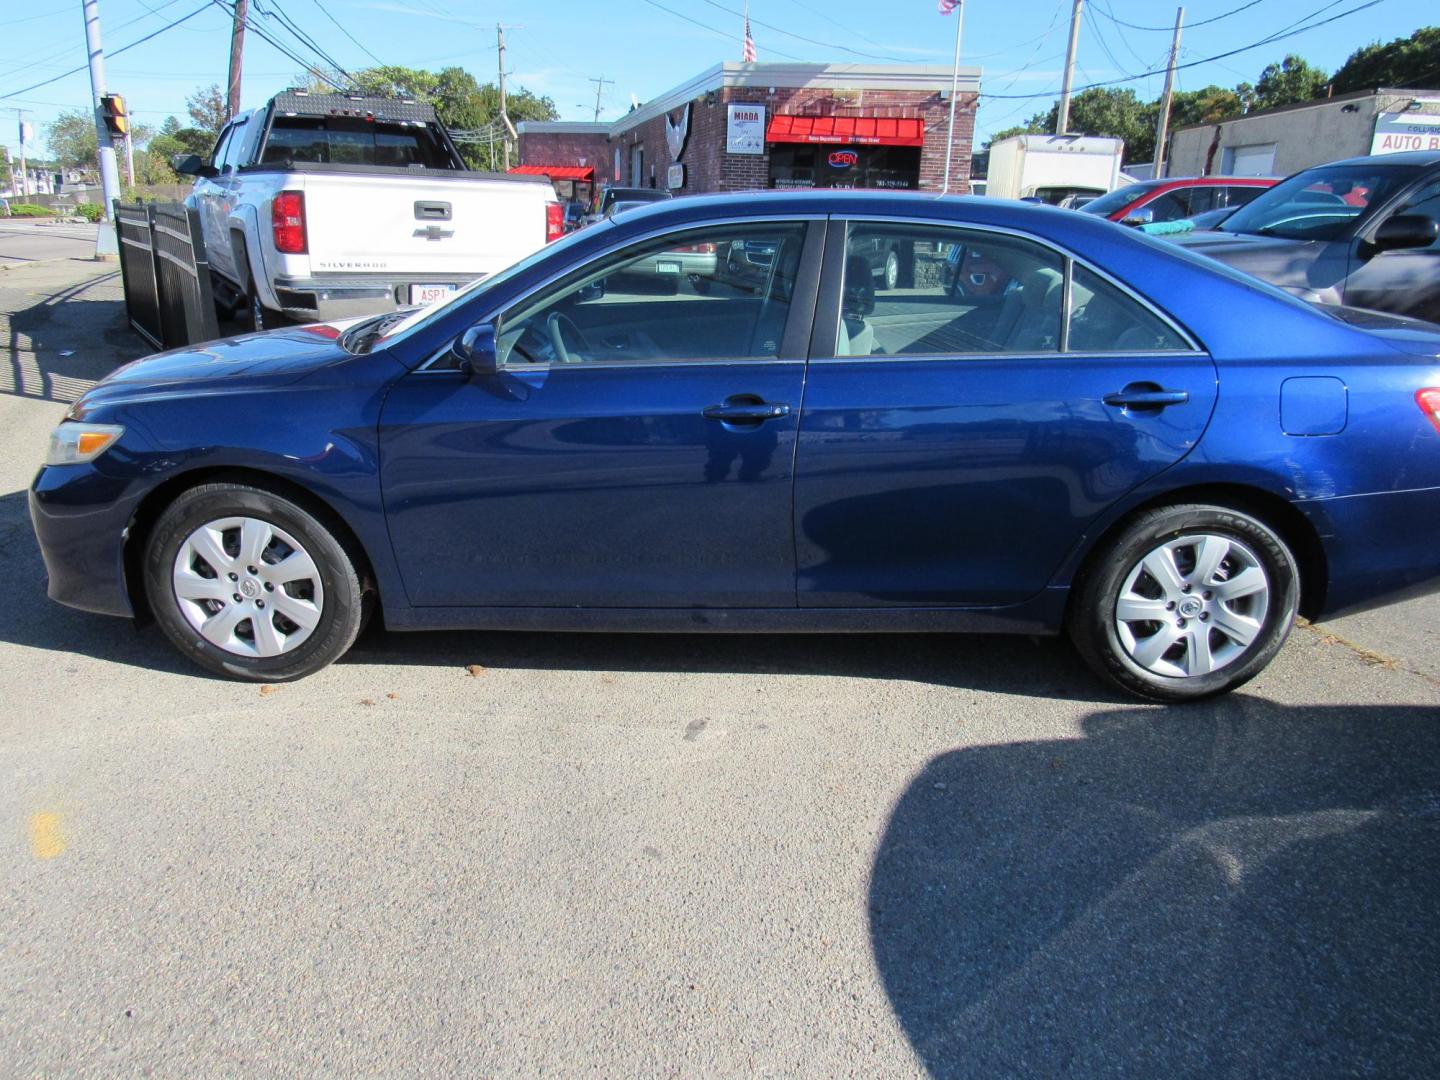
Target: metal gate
(165, 273)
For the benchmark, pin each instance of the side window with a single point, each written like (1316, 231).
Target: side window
(1171, 206)
(1104, 319)
(918, 290)
(222, 146)
(1202, 199)
(1426, 201)
(1240, 194)
(234, 146)
(704, 294)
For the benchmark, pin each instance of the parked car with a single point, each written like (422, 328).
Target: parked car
(1173, 198)
(1360, 232)
(323, 206)
(1161, 456)
(629, 195)
(574, 216)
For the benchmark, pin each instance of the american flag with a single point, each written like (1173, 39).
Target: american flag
(748, 52)
(948, 6)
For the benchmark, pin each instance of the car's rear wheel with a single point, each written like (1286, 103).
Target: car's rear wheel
(250, 584)
(1186, 602)
(892, 269)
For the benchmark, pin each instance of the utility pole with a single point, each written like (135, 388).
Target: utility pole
(130, 158)
(237, 57)
(1062, 115)
(1163, 125)
(24, 173)
(109, 174)
(599, 88)
(510, 133)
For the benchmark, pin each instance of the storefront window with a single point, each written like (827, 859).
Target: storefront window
(799, 165)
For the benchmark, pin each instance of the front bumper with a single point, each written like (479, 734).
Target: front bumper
(349, 296)
(81, 518)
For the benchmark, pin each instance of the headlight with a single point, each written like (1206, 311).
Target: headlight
(74, 443)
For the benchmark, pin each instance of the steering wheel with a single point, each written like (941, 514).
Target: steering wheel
(558, 323)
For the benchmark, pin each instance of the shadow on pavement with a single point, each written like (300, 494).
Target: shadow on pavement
(85, 320)
(1235, 889)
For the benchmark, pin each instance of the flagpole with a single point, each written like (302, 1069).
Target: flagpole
(954, 93)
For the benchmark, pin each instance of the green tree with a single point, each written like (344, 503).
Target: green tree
(1206, 106)
(72, 140)
(1287, 83)
(1412, 62)
(207, 108)
(1113, 112)
(6, 175)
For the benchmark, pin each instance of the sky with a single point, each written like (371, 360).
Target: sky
(649, 46)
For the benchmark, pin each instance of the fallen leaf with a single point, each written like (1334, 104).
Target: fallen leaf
(475, 670)
(366, 701)
(393, 697)
(266, 691)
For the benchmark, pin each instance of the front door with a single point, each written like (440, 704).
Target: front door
(1403, 282)
(955, 443)
(636, 448)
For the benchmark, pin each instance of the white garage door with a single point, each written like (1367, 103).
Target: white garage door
(1257, 160)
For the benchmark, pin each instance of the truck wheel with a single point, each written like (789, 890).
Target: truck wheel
(892, 269)
(266, 318)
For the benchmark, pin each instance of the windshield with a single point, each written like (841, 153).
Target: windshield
(1118, 199)
(416, 319)
(1323, 203)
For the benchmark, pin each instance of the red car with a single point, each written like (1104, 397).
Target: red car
(1176, 197)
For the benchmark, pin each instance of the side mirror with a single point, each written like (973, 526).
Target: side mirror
(192, 165)
(1138, 217)
(1405, 231)
(476, 350)
(594, 291)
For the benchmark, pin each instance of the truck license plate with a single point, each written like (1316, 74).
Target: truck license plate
(429, 294)
(664, 267)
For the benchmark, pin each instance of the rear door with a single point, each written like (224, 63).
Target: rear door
(954, 447)
(636, 449)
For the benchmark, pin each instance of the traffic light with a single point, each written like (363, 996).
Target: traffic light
(115, 117)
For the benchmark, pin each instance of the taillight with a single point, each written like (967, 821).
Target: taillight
(554, 221)
(1429, 401)
(698, 249)
(287, 217)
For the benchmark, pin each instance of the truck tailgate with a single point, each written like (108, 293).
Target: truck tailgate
(380, 223)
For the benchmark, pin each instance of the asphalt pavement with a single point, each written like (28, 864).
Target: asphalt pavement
(25, 240)
(493, 853)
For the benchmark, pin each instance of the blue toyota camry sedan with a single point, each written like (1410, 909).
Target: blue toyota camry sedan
(719, 413)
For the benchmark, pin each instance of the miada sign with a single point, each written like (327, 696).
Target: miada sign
(1397, 132)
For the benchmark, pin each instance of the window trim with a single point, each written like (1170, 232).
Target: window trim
(798, 322)
(827, 317)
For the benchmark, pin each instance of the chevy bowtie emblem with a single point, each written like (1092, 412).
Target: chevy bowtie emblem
(434, 232)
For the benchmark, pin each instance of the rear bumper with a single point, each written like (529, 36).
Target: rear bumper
(1379, 548)
(347, 296)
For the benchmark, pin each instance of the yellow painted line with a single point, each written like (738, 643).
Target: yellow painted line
(46, 840)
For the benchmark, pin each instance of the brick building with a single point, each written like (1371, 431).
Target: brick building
(743, 126)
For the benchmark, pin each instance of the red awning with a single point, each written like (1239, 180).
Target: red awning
(557, 172)
(859, 130)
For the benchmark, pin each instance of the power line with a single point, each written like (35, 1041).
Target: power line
(264, 35)
(113, 52)
(707, 26)
(1109, 14)
(802, 37)
(347, 33)
(1279, 36)
(301, 36)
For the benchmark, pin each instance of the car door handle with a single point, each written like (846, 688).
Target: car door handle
(746, 412)
(1138, 398)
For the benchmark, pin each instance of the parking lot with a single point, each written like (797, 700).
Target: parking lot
(673, 854)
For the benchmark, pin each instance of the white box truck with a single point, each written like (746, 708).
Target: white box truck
(1051, 167)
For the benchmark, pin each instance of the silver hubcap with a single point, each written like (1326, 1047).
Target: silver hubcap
(248, 587)
(1192, 605)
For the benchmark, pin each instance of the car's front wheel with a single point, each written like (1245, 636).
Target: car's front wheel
(250, 584)
(1186, 602)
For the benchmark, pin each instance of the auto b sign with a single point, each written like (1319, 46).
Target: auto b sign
(843, 159)
(1396, 132)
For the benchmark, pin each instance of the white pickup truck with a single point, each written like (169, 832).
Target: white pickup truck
(322, 206)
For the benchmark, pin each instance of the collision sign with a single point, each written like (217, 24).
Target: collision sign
(1417, 128)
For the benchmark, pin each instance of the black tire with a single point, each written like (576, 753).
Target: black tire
(342, 614)
(265, 318)
(1098, 588)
